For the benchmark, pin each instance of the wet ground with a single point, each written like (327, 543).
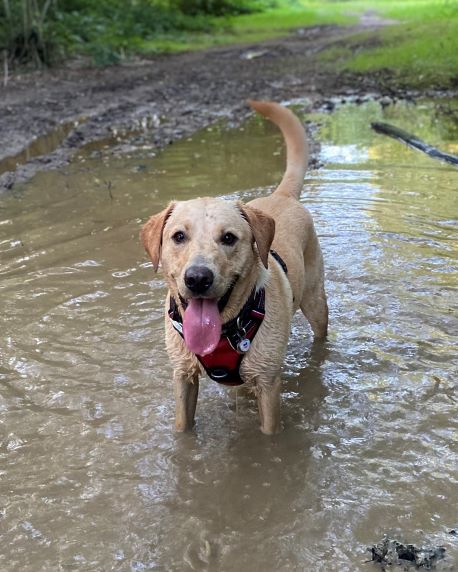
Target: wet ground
(176, 94)
(92, 475)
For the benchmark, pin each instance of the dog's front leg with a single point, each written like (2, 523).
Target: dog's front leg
(186, 393)
(268, 395)
(185, 378)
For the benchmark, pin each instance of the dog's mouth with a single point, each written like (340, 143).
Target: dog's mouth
(202, 322)
(202, 325)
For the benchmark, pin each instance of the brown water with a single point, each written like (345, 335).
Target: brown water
(40, 146)
(92, 475)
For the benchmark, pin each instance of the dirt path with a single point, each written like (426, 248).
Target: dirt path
(175, 94)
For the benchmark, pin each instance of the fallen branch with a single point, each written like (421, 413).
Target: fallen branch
(413, 141)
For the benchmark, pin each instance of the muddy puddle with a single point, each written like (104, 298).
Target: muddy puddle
(92, 476)
(40, 146)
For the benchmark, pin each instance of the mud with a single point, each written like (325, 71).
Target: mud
(391, 552)
(171, 96)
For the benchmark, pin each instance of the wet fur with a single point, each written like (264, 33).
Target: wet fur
(278, 221)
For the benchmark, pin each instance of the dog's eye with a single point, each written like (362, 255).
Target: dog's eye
(179, 237)
(229, 239)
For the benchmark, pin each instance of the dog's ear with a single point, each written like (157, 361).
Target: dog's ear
(151, 234)
(262, 227)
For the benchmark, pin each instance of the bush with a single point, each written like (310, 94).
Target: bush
(24, 30)
(213, 7)
(42, 32)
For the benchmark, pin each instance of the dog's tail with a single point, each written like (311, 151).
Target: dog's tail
(296, 145)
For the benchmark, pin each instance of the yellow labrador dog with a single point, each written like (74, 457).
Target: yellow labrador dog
(236, 275)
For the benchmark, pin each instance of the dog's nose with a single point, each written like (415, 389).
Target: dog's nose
(198, 279)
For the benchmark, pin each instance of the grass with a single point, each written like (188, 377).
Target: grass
(420, 51)
(251, 28)
(43, 32)
(300, 15)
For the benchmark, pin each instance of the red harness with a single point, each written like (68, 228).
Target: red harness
(223, 364)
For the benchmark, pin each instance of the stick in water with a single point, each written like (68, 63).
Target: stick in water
(413, 141)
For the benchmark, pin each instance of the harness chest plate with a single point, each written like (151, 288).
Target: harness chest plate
(223, 364)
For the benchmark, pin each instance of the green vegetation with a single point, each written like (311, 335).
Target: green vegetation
(279, 20)
(46, 31)
(420, 49)
(261, 23)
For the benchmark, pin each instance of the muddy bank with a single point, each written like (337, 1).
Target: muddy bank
(62, 110)
(391, 552)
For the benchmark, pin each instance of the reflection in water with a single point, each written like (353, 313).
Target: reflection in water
(92, 476)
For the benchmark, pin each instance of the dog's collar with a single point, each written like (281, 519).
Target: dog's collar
(223, 364)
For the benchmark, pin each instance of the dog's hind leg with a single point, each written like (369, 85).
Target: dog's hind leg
(313, 304)
(315, 308)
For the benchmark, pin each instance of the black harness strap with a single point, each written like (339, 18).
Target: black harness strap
(280, 260)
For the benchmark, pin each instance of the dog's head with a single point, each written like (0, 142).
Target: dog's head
(205, 247)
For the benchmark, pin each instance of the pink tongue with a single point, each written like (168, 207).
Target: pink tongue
(202, 325)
